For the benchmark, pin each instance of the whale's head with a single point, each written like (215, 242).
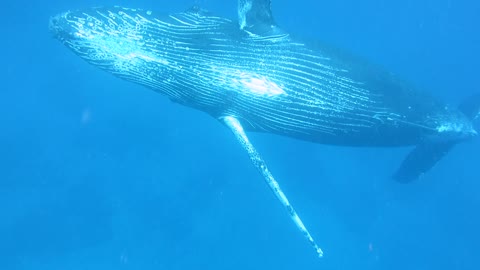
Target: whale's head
(99, 34)
(117, 40)
(138, 45)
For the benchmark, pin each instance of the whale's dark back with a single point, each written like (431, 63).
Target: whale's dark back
(272, 83)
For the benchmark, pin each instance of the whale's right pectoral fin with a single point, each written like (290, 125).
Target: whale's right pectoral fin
(421, 159)
(252, 13)
(261, 166)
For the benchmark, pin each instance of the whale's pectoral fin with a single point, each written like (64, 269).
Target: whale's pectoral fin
(261, 166)
(421, 159)
(427, 154)
(253, 12)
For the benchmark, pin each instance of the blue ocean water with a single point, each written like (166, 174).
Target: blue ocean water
(99, 173)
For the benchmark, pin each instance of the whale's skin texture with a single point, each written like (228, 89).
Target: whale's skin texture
(272, 82)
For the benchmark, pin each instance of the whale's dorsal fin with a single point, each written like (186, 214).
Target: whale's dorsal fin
(255, 13)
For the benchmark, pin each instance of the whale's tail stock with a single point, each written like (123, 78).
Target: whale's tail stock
(424, 156)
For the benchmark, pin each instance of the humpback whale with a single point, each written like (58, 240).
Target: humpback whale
(253, 76)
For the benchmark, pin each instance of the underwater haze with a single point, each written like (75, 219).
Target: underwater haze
(100, 173)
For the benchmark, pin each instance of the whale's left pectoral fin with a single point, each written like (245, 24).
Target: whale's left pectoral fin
(421, 159)
(261, 166)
